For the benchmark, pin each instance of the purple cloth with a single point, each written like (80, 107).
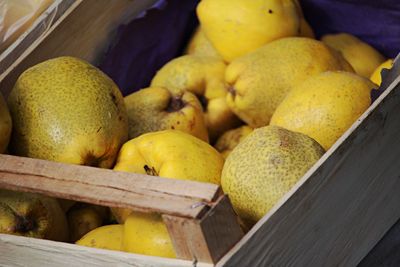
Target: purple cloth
(148, 42)
(376, 22)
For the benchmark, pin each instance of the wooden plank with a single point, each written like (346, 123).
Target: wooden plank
(33, 36)
(85, 31)
(106, 187)
(208, 239)
(342, 207)
(23, 251)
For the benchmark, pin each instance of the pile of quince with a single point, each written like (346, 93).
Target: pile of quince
(252, 105)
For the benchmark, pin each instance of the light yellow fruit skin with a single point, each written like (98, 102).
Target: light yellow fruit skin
(147, 234)
(155, 108)
(66, 110)
(265, 166)
(105, 237)
(376, 75)
(237, 27)
(170, 154)
(362, 57)
(5, 125)
(230, 139)
(82, 220)
(306, 30)
(32, 215)
(260, 80)
(324, 106)
(200, 45)
(204, 77)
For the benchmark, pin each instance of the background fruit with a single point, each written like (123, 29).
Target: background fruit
(204, 77)
(83, 218)
(376, 75)
(237, 27)
(325, 105)
(305, 29)
(362, 57)
(200, 45)
(155, 108)
(66, 110)
(105, 237)
(260, 80)
(32, 215)
(147, 234)
(264, 166)
(5, 125)
(230, 139)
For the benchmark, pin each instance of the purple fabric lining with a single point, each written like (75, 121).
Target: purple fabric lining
(148, 42)
(376, 22)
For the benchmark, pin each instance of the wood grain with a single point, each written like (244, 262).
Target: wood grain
(44, 22)
(342, 207)
(85, 30)
(207, 239)
(23, 251)
(106, 187)
(11, 57)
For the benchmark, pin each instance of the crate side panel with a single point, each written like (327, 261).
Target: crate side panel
(343, 208)
(18, 251)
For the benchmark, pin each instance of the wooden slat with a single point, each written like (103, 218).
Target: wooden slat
(85, 30)
(23, 251)
(207, 239)
(106, 187)
(342, 207)
(34, 35)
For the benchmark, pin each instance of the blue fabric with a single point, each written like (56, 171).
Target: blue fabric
(376, 22)
(144, 45)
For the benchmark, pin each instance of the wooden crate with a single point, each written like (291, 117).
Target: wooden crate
(24, 44)
(332, 217)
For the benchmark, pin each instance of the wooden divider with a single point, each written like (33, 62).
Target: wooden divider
(200, 219)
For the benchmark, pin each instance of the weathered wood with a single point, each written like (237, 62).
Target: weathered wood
(208, 239)
(106, 187)
(85, 31)
(23, 251)
(11, 56)
(342, 207)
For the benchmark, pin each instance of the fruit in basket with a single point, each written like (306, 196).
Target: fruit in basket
(170, 154)
(306, 30)
(5, 125)
(147, 234)
(32, 215)
(82, 218)
(265, 166)
(66, 110)
(237, 27)
(200, 45)
(230, 139)
(325, 105)
(105, 237)
(156, 108)
(203, 76)
(376, 75)
(362, 57)
(260, 80)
